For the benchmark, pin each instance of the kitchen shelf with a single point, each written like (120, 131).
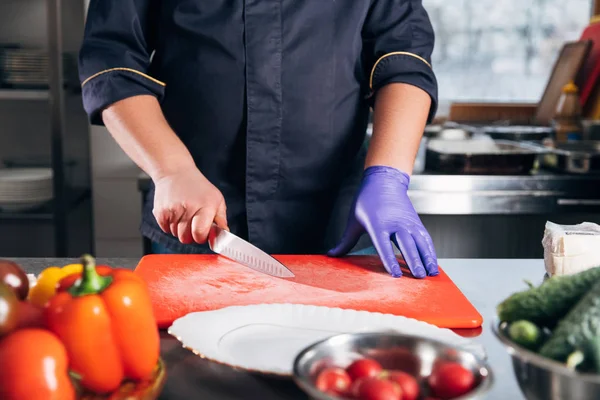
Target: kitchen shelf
(66, 134)
(74, 197)
(23, 94)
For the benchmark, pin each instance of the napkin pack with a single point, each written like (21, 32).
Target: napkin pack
(569, 249)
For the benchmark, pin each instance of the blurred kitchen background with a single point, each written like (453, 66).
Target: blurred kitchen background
(493, 168)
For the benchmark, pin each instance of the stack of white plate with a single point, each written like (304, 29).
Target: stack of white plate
(23, 189)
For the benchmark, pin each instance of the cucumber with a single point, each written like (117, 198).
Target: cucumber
(575, 331)
(546, 304)
(526, 334)
(592, 353)
(586, 359)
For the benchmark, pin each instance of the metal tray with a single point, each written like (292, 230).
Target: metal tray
(493, 157)
(577, 157)
(516, 132)
(448, 131)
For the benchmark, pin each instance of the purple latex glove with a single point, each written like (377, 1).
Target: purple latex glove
(383, 210)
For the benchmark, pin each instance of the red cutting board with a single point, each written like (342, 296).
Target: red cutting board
(180, 284)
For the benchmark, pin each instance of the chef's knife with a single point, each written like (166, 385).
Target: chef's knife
(231, 246)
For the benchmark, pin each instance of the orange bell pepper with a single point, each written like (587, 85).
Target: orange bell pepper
(108, 327)
(69, 280)
(34, 366)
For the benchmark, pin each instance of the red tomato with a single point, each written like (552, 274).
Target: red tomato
(374, 388)
(363, 368)
(408, 384)
(333, 381)
(30, 316)
(450, 380)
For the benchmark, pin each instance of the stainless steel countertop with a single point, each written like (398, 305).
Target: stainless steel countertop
(484, 282)
(539, 193)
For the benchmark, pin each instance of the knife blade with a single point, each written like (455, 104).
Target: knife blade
(231, 246)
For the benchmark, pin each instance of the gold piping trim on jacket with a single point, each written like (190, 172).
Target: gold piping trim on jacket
(123, 69)
(395, 53)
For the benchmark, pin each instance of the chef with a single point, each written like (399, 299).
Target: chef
(252, 114)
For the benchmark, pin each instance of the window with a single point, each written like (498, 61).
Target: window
(489, 50)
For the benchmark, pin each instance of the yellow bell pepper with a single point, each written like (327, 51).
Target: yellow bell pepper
(45, 286)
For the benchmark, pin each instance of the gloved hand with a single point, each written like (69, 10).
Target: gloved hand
(383, 210)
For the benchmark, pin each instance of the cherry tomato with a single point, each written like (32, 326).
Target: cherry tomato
(13, 276)
(363, 368)
(9, 313)
(333, 381)
(450, 380)
(30, 316)
(375, 388)
(408, 384)
(34, 366)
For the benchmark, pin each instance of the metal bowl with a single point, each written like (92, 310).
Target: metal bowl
(414, 355)
(543, 379)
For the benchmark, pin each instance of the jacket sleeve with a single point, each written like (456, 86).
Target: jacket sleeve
(398, 41)
(114, 58)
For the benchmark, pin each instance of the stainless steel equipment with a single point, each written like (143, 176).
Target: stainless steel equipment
(517, 132)
(591, 130)
(541, 193)
(544, 379)
(231, 246)
(482, 156)
(576, 157)
(448, 131)
(415, 355)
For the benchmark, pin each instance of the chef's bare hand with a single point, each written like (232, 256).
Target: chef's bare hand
(186, 204)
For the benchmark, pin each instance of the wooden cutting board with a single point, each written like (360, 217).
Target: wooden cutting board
(180, 284)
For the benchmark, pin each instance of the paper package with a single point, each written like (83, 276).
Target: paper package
(569, 249)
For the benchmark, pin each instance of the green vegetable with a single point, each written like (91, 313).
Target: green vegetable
(592, 354)
(526, 334)
(546, 304)
(529, 284)
(586, 359)
(576, 329)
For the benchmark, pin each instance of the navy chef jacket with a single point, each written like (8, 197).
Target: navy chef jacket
(271, 97)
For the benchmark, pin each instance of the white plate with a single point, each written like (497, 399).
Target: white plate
(25, 175)
(266, 338)
(26, 196)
